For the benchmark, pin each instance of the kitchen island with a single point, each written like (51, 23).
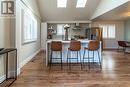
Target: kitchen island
(66, 45)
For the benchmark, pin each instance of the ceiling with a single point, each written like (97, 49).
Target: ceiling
(50, 12)
(118, 14)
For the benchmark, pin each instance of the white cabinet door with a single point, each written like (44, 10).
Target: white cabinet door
(43, 35)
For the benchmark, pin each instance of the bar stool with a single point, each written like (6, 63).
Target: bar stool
(56, 46)
(75, 46)
(92, 46)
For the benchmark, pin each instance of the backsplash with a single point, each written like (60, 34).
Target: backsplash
(73, 33)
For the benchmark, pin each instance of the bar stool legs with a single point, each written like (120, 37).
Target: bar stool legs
(99, 59)
(87, 59)
(93, 59)
(69, 57)
(61, 60)
(80, 60)
(51, 58)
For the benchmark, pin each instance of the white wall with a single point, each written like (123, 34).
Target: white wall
(6, 40)
(127, 30)
(10, 36)
(107, 5)
(32, 4)
(26, 51)
(43, 35)
(112, 43)
(7, 26)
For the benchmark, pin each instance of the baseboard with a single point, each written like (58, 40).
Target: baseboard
(29, 58)
(43, 50)
(110, 48)
(2, 78)
(18, 71)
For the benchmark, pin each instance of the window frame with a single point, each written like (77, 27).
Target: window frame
(63, 31)
(107, 25)
(33, 27)
(114, 31)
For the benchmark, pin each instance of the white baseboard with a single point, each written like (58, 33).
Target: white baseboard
(110, 48)
(29, 58)
(2, 78)
(42, 49)
(18, 71)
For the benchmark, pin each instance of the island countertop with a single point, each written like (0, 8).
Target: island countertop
(68, 41)
(66, 44)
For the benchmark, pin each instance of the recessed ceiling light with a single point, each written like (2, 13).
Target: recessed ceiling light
(61, 3)
(81, 3)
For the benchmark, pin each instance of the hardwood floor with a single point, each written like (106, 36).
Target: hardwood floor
(115, 73)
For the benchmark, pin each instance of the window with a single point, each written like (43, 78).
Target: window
(81, 3)
(29, 27)
(60, 29)
(109, 31)
(61, 3)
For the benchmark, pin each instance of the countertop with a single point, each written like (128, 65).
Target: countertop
(68, 41)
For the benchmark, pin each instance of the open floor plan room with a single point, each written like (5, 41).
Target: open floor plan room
(65, 43)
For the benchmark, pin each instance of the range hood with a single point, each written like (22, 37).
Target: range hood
(77, 26)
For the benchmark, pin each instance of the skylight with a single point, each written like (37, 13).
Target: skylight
(61, 3)
(81, 3)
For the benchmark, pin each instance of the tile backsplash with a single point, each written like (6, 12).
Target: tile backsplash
(72, 32)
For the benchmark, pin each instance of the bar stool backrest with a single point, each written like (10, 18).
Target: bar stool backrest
(75, 45)
(93, 45)
(56, 46)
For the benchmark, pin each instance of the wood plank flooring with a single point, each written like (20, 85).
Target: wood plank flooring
(115, 73)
